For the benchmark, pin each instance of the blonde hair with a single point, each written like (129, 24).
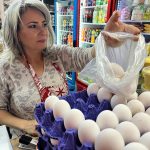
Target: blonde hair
(12, 19)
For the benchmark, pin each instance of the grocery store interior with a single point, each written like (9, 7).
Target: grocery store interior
(78, 23)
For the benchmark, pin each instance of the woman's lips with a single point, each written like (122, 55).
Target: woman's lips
(42, 41)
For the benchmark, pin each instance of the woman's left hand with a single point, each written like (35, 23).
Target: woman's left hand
(30, 127)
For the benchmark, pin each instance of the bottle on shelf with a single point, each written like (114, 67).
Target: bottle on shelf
(93, 36)
(70, 42)
(147, 13)
(90, 15)
(100, 18)
(85, 34)
(95, 15)
(88, 35)
(99, 2)
(64, 23)
(86, 15)
(137, 13)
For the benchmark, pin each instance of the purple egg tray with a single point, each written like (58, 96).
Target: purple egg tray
(49, 127)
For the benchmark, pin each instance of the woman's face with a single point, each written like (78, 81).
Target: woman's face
(33, 30)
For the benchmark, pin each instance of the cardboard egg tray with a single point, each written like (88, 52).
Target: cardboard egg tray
(51, 128)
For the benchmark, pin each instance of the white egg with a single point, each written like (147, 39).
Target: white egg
(60, 108)
(50, 101)
(109, 139)
(54, 141)
(104, 116)
(148, 111)
(122, 112)
(117, 99)
(136, 106)
(135, 146)
(129, 131)
(92, 89)
(73, 119)
(88, 131)
(132, 96)
(142, 121)
(145, 140)
(131, 88)
(104, 94)
(145, 99)
(118, 70)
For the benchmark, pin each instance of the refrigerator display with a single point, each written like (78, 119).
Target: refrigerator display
(66, 22)
(94, 15)
(66, 29)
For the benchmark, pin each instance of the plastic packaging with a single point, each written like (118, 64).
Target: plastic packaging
(128, 53)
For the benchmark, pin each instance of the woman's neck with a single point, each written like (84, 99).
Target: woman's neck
(37, 62)
(34, 58)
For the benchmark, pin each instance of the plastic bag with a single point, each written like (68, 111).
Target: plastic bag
(129, 54)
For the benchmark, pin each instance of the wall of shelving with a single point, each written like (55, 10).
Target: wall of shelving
(92, 20)
(137, 14)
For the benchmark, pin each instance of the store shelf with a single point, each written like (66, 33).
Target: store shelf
(94, 24)
(65, 15)
(148, 34)
(87, 43)
(136, 21)
(100, 6)
(66, 31)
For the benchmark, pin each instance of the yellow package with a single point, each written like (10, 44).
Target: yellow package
(146, 76)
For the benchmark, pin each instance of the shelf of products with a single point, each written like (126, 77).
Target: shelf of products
(65, 23)
(136, 13)
(93, 16)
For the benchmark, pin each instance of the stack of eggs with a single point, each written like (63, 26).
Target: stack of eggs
(69, 122)
(96, 119)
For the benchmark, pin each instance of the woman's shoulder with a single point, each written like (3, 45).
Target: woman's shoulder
(52, 53)
(5, 60)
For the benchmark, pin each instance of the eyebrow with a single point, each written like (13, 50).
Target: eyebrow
(35, 22)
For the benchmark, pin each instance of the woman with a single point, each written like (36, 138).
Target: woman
(32, 67)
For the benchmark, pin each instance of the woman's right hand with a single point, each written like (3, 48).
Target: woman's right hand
(115, 25)
(30, 127)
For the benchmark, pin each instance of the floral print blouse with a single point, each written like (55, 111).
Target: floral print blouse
(18, 92)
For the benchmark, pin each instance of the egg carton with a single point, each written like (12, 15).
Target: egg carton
(50, 128)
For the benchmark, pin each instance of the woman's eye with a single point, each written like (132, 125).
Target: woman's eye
(45, 25)
(32, 26)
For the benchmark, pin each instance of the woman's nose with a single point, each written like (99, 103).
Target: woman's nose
(42, 30)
